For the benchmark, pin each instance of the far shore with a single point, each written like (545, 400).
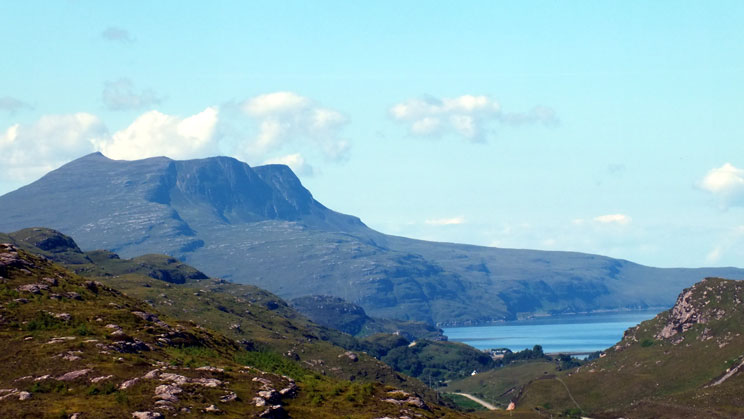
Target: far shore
(550, 316)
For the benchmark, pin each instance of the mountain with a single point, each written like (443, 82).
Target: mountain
(74, 347)
(687, 362)
(261, 226)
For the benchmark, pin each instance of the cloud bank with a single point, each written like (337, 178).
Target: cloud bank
(467, 116)
(285, 127)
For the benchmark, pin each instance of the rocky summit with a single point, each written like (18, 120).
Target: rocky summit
(259, 225)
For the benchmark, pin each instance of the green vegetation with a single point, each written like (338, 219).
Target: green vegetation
(259, 319)
(502, 385)
(272, 362)
(72, 343)
(436, 361)
(464, 403)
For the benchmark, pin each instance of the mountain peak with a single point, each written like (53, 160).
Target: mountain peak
(164, 198)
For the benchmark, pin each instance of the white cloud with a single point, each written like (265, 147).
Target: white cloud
(446, 221)
(157, 134)
(286, 118)
(468, 116)
(617, 219)
(296, 162)
(121, 95)
(288, 125)
(726, 183)
(275, 103)
(30, 150)
(116, 34)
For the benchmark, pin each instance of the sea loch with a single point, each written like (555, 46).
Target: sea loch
(566, 334)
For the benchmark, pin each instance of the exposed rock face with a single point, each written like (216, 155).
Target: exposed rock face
(684, 315)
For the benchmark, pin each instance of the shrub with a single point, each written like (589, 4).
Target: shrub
(272, 362)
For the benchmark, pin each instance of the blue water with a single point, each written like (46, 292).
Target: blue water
(575, 333)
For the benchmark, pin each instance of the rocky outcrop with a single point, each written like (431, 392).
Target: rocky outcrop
(9, 258)
(8, 393)
(684, 315)
(400, 398)
(73, 375)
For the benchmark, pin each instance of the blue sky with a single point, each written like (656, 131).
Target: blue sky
(602, 127)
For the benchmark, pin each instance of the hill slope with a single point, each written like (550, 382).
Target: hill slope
(261, 226)
(70, 345)
(248, 314)
(687, 362)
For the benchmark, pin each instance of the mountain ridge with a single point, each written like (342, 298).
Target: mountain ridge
(261, 226)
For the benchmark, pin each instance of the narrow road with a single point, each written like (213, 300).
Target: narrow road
(481, 402)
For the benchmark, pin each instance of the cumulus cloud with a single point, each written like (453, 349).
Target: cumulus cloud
(296, 162)
(446, 221)
(285, 118)
(726, 183)
(12, 105)
(157, 134)
(30, 150)
(116, 34)
(121, 95)
(468, 116)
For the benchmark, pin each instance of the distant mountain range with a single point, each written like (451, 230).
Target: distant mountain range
(261, 226)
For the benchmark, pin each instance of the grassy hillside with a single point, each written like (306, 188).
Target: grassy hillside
(245, 313)
(686, 362)
(502, 385)
(71, 345)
